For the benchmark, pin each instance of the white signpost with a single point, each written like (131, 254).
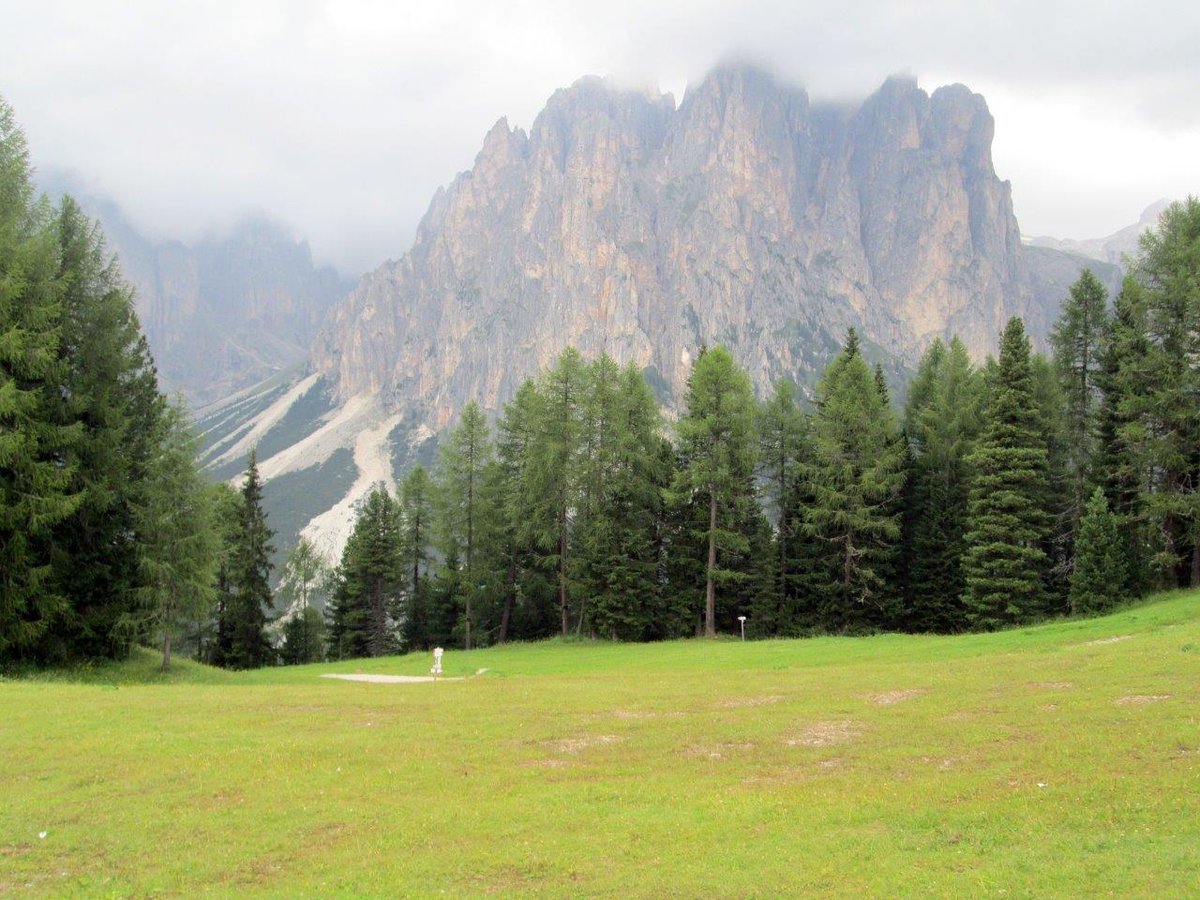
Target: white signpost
(742, 619)
(437, 661)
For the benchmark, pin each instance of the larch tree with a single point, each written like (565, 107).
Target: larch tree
(416, 524)
(178, 538)
(551, 496)
(718, 448)
(464, 456)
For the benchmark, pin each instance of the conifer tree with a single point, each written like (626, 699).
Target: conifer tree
(465, 455)
(783, 449)
(525, 606)
(553, 475)
(416, 514)
(620, 534)
(178, 539)
(305, 579)
(1099, 579)
(250, 574)
(110, 388)
(1118, 469)
(1004, 564)
(856, 476)
(1168, 268)
(37, 490)
(718, 449)
(1057, 501)
(1076, 340)
(943, 419)
(367, 595)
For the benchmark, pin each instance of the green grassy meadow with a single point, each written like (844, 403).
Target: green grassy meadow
(1057, 760)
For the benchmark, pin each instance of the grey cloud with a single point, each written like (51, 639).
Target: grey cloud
(342, 118)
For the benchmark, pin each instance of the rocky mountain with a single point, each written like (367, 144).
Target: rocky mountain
(746, 215)
(225, 313)
(1111, 249)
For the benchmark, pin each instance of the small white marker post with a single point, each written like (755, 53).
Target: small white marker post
(742, 619)
(437, 661)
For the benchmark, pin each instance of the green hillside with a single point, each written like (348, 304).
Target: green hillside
(1057, 760)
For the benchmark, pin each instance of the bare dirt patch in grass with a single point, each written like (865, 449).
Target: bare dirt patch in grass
(720, 751)
(749, 702)
(1052, 685)
(546, 764)
(1109, 640)
(891, 698)
(827, 734)
(1140, 699)
(577, 744)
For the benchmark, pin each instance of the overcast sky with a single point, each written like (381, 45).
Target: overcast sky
(340, 119)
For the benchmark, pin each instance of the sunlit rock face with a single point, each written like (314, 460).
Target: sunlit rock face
(746, 215)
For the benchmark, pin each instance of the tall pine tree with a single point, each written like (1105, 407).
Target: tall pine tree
(718, 447)
(856, 476)
(1005, 563)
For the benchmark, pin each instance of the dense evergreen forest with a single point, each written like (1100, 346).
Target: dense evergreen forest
(1025, 488)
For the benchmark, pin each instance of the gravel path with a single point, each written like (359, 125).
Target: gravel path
(391, 679)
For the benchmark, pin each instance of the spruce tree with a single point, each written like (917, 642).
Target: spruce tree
(250, 574)
(943, 419)
(718, 449)
(1076, 339)
(1118, 469)
(619, 541)
(856, 476)
(1168, 268)
(1004, 565)
(37, 489)
(371, 574)
(1099, 579)
(109, 387)
(783, 449)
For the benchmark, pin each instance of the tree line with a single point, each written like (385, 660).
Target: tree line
(1028, 487)
(109, 534)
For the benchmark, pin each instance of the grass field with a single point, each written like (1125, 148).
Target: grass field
(1058, 760)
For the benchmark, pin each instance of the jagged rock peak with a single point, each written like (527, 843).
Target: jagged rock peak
(746, 215)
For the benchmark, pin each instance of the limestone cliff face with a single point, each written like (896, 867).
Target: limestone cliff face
(746, 216)
(223, 314)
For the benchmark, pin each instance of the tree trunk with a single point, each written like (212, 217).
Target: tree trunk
(166, 649)
(470, 539)
(710, 594)
(562, 583)
(1196, 564)
(468, 616)
(510, 591)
